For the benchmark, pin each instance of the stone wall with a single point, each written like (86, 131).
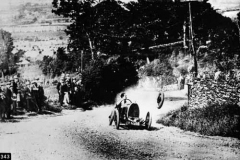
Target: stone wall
(207, 91)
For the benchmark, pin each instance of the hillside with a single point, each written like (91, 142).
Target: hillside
(25, 12)
(33, 25)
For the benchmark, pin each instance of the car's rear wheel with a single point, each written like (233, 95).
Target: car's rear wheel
(111, 118)
(116, 118)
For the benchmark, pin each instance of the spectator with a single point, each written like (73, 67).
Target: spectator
(2, 104)
(231, 74)
(14, 99)
(73, 91)
(188, 79)
(63, 92)
(60, 88)
(204, 75)
(217, 74)
(8, 99)
(28, 96)
(181, 81)
(40, 95)
(35, 95)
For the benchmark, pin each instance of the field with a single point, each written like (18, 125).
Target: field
(39, 35)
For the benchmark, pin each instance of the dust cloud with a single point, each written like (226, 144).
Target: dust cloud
(145, 95)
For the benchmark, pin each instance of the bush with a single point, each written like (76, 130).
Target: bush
(103, 80)
(161, 69)
(214, 120)
(157, 68)
(62, 63)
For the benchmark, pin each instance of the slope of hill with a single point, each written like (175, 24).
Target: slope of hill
(32, 24)
(29, 13)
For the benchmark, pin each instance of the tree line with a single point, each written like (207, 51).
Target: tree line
(130, 29)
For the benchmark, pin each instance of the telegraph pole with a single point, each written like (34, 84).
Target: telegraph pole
(81, 61)
(184, 37)
(191, 45)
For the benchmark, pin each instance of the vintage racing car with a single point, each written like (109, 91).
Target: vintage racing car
(129, 115)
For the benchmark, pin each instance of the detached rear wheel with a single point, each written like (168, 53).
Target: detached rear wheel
(116, 118)
(160, 100)
(148, 121)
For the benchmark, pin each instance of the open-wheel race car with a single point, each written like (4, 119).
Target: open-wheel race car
(129, 115)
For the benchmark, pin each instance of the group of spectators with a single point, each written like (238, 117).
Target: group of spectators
(26, 95)
(69, 90)
(23, 94)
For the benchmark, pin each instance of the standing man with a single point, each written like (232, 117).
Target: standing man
(68, 92)
(28, 95)
(217, 74)
(61, 87)
(8, 99)
(17, 90)
(73, 92)
(2, 104)
(58, 89)
(13, 88)
(181, 82)
(41, 95)
(35, 95)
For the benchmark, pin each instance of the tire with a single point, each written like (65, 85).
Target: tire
(148, 121)
(116, 118)
(160, 100)
(111, 118)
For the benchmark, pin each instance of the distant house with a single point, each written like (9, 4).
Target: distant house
(23, 63)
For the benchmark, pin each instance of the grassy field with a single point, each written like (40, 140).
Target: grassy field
(40, 35)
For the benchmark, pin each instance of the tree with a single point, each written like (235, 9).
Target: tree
(103, 80)
(6, 47)
(95, 26)
(80, 31)
(238, 25)
(45, 64)
(55, 66)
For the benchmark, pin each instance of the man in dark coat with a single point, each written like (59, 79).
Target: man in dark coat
(35, 95)
(62, 88)
(2, 104)
(41, 95)
(8, 99)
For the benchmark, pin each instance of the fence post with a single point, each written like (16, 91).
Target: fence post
(189, 91)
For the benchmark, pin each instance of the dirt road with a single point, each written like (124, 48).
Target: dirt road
(80, 135)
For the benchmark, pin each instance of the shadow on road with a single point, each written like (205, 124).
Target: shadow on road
(136, 127)
(13, 119)
(23, 115)
(175, 98)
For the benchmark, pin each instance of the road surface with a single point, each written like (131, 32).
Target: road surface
(80, 135)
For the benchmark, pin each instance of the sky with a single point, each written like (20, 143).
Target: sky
(220, 4)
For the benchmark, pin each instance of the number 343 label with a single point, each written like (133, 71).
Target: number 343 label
(5, 156)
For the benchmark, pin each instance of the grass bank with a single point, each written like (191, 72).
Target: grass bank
(214, 120)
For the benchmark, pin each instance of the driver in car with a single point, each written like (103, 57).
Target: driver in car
(122, 105)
